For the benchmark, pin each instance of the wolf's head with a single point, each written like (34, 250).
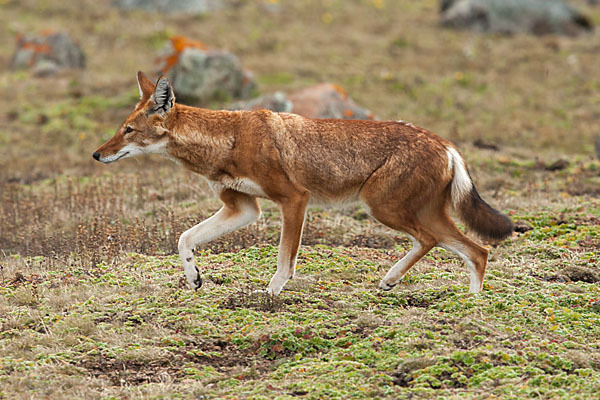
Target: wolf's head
(143, 131)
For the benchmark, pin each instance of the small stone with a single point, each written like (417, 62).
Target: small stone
(558, 165)
(277, 102)
(480, 143)
(47, 53)
(173, 7)
(327, 100)
(580, 274)
(522, 227)
(537, 17)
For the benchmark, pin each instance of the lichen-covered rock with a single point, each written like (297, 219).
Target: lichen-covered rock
(199, 74)
(47, 53)
(514, 16)
(325, 100)
(172, 6)
(277, 102)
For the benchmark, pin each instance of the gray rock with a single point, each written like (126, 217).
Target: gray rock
(277, 102)
(514, 16)
(46, 68)
(327, 100)
(200, 76)
(324, 100)
(47, 54)
(172, 6)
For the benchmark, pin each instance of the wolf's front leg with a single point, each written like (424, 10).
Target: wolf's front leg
(238, 210)
(293, 210)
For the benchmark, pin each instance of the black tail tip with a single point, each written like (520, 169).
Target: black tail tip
(487, 222)
(504, 228)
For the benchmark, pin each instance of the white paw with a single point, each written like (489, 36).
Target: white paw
(274, 291)
(383, 285)
(276, 285)
(475, 288)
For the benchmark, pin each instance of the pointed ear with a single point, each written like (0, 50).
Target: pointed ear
(163, 97)
(145, 85)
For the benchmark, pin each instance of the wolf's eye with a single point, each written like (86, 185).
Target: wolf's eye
(128, 129)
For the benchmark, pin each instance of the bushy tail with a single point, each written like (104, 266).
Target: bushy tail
(479, 217)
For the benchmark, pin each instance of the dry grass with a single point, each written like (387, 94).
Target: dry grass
(100, 218)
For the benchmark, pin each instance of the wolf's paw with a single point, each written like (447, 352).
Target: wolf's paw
(383, 285)
(195, 283)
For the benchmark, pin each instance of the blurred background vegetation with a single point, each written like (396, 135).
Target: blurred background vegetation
(514, 104)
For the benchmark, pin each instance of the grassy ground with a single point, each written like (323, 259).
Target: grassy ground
(130, 328)
(93, 300)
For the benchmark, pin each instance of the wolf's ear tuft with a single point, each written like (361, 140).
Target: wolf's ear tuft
(145, 85)
(163, 97)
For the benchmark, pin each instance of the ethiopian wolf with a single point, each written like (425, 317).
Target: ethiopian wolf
(404, 176)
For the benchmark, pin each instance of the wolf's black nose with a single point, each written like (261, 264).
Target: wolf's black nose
(96, 156)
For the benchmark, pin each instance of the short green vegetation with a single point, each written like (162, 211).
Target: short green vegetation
(132, 327)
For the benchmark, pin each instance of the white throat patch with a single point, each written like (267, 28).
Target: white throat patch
(133, 149)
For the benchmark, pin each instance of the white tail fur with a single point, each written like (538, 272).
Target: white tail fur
(461, 182)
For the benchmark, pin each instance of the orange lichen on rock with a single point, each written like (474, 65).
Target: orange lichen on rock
(179, 44)
(35, 47)
(24, 43)
(340, 90)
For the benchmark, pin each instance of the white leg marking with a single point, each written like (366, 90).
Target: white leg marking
(286, 266)
(282, 275)
(396, 273)
(475, 285)
(208, 230)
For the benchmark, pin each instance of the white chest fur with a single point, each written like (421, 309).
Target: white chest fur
(243, 185)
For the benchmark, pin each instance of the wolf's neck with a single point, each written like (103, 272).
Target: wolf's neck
(202, 140)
